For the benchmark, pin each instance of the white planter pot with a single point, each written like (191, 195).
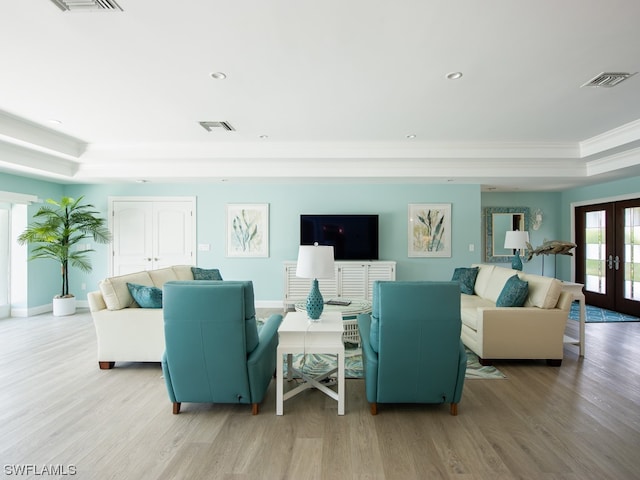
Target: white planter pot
(64, 306)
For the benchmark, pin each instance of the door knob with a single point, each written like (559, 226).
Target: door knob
(610, 262)
(616, 262)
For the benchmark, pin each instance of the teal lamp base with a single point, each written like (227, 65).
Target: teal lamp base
(516, 263)
(315, 302)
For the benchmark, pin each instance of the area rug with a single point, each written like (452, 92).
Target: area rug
(599, 315)
(317, 364)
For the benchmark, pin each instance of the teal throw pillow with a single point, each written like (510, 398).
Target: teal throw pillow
(206, 274)
(146, 297)
(374, 334)
(466, 277)
(514, 293)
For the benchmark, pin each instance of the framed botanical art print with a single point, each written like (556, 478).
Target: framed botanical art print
(429, 230)
(248, 230)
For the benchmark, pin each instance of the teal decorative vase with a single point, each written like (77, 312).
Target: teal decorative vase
(516, 263)
(315, 302)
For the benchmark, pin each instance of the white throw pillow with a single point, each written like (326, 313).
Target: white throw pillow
(544, 292)
(115, 292)
(497, 280)
(482, 280)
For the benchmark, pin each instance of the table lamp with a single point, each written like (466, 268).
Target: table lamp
(517, 240)
(315, 261)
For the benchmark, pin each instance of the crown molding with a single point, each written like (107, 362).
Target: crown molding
(611, 139)
(31, 135)
(343, 150)
(25, 160)
(30, 149)
(292, 168)
(617, 161)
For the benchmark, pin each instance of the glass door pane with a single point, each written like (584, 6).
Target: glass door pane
(595, 251)
(631, 253)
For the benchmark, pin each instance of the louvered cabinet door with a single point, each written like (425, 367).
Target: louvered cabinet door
(297, 289)
(352, 280)
(379, 271)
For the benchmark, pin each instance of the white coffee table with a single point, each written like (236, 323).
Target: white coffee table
(349, 316)
(297, 334)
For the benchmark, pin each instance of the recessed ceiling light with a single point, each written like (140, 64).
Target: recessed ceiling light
(219, 75)
(411, 136)
(454, 75)
(264, 137)
(55, 122)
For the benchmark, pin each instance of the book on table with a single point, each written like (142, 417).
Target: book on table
(342, 303)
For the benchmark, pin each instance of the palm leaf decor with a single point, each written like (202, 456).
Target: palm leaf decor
(428, 234)
(57, 228)
(247, 230)
(430, 227)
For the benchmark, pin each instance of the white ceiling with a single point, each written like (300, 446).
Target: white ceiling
(335, 85)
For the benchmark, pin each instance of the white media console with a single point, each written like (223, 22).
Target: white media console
(352, 279)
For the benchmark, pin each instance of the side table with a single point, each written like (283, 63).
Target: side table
(575, 289)
(349, 316)
(299, 335)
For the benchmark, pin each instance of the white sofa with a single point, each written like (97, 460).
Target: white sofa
(126, 332)
(533, 331)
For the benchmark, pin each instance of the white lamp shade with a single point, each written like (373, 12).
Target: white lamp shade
(315, 261)
(516, 239)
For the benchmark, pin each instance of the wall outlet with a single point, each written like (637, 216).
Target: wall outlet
(472, 247)
(204, 247)
(83, 286)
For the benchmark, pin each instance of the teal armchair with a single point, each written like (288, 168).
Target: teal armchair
(214, 352)
(411, 345)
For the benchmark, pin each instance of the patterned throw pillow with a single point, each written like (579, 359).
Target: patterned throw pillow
(514, 293)
(146, 297)
(204, 274)
(466, 277)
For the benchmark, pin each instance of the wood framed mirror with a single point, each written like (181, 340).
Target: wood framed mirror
(498, 221)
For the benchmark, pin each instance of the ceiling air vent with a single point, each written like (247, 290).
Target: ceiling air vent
(216, 126)
(608, 79)
(87, 5)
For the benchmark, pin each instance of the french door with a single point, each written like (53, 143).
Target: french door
(608, 254)
(151, 233)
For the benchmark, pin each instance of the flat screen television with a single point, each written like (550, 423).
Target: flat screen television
(353, 237)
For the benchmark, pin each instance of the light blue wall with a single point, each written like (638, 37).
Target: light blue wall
(43, 276)
(550, 204)
(286, 203)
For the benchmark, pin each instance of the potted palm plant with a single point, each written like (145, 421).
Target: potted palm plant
(57, 229)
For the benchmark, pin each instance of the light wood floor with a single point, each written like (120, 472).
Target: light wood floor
(579, 421)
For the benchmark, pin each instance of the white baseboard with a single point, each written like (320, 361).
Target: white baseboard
(40, 309)
(30, 312)
(48, 308)
(269, 304)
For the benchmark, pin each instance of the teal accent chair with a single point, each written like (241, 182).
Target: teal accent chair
(411, 347)
(214, 351)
